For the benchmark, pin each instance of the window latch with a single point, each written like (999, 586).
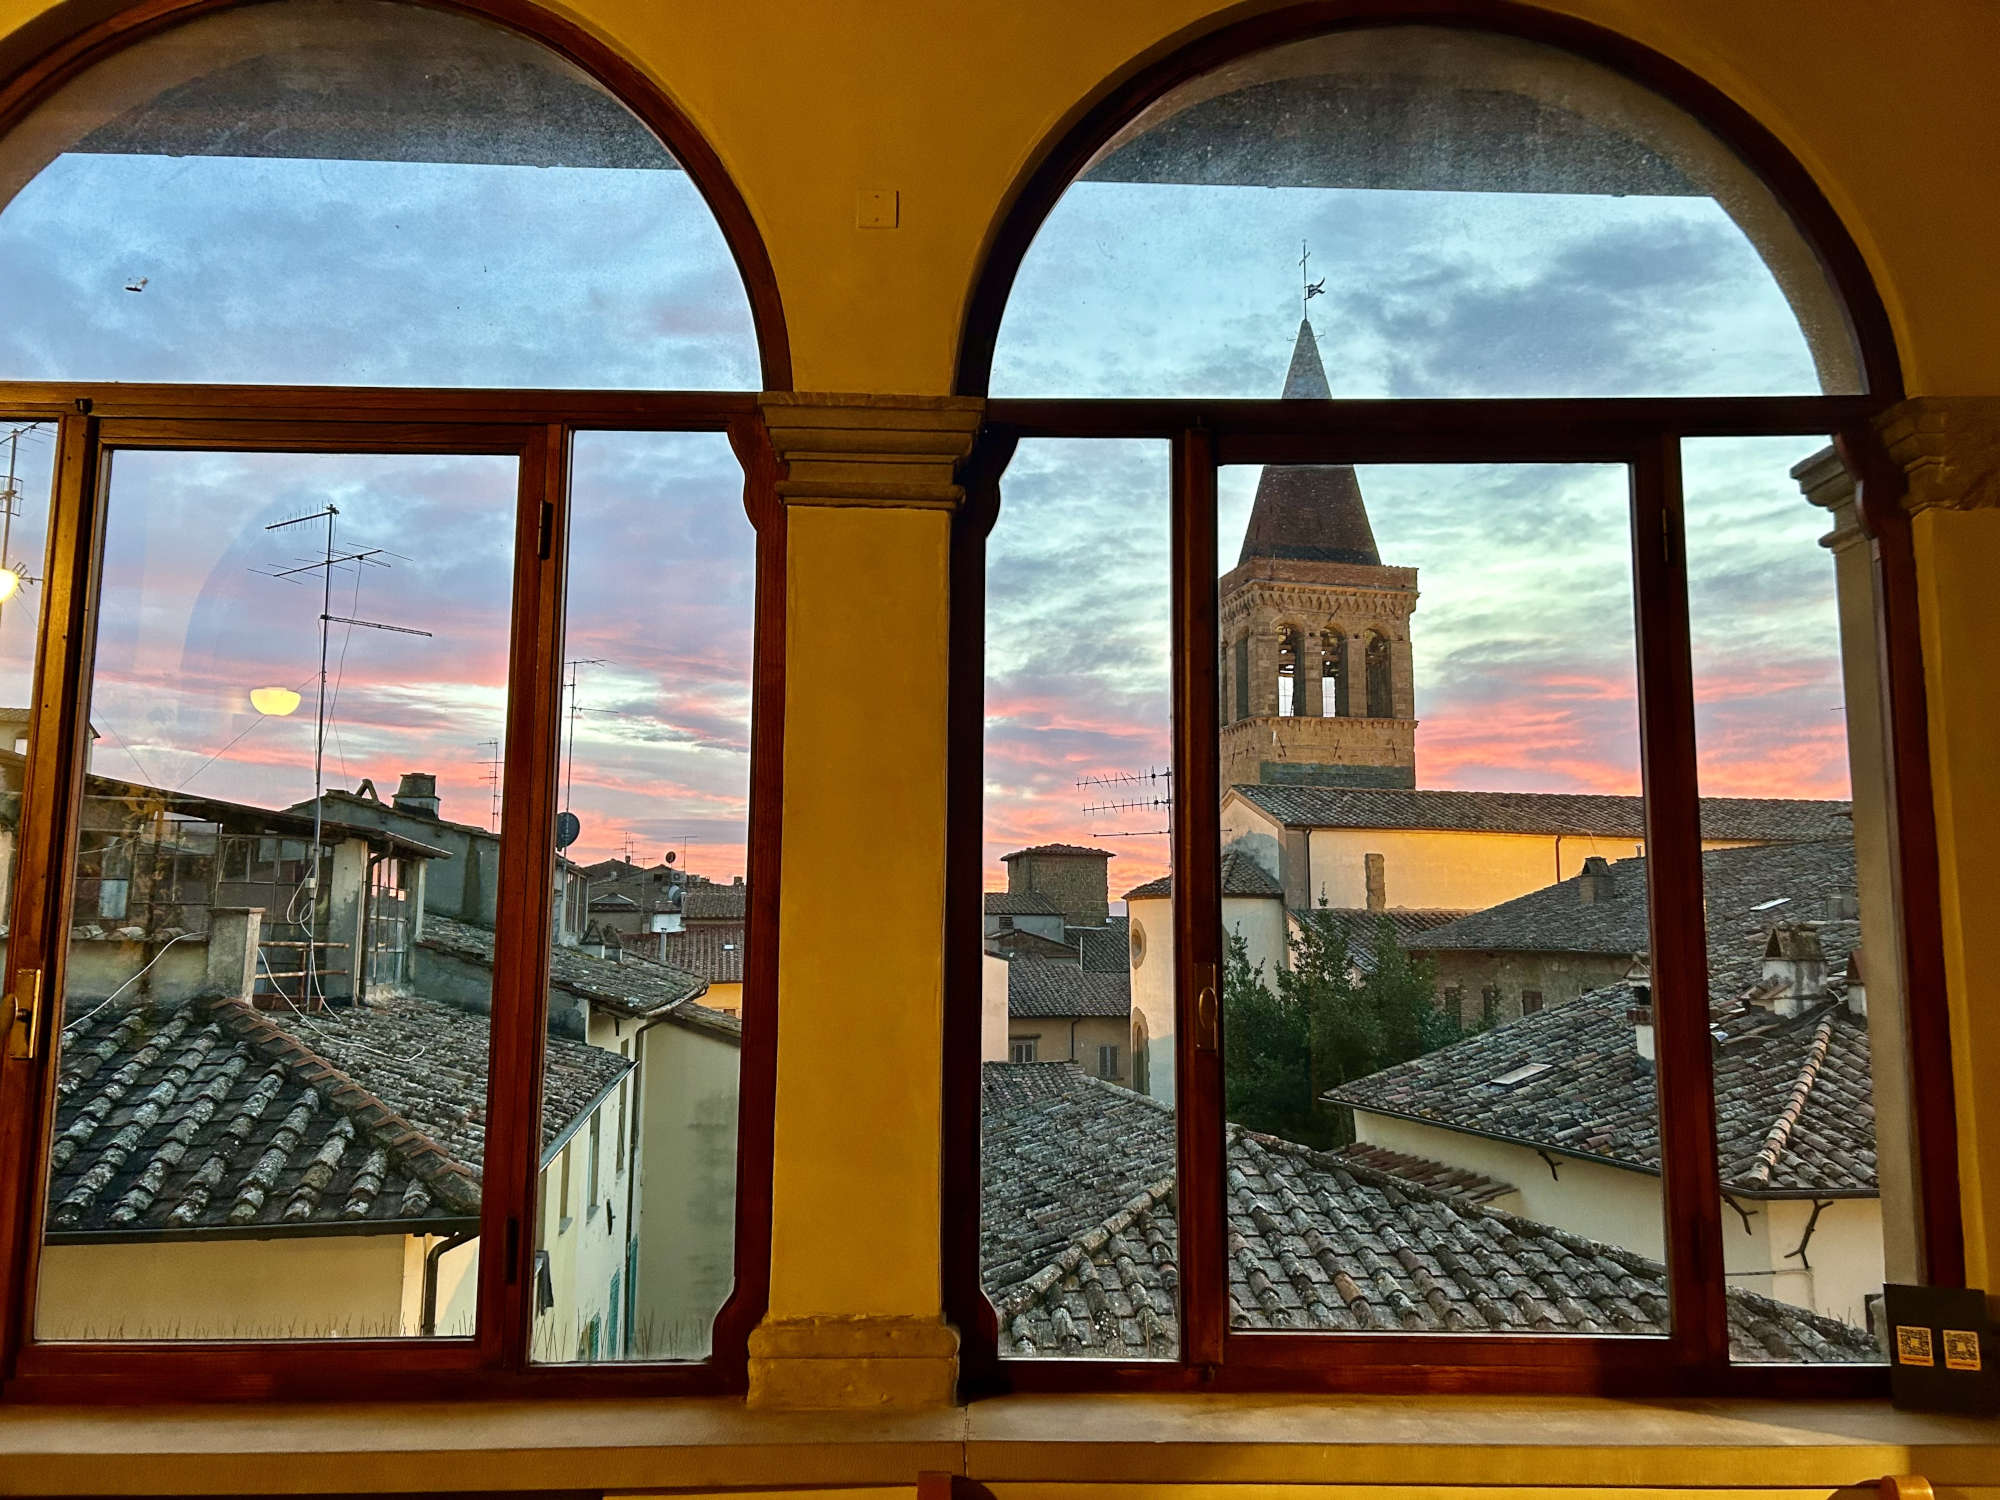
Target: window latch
(24, 1008)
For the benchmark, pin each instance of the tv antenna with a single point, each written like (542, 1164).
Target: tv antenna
(10, 507)
(1150, 790)
(369, 557)
(575, 665)
(491, 776)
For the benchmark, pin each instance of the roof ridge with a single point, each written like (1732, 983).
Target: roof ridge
(1779, 1136)
(427, 1160)
(1077, 1248)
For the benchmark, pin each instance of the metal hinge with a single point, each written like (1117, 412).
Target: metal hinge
(24, 1008)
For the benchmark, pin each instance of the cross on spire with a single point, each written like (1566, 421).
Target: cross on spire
(1309, 288)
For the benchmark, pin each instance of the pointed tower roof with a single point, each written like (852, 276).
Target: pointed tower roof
(1309, 512)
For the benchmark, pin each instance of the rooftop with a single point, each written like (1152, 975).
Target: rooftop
(1750, 819)
(1043, 988)
(714, 903)
(1079, 1242)
(715, 953)
(1794, 1102)
(1019, 904)
(1786, 881)
(1060, 849)
(215, 1116)
(1241, 876)
(630, 985)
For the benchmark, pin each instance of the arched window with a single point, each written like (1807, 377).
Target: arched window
(388, 877)
(1468, 336)
(1333, 694)
(1381, 690)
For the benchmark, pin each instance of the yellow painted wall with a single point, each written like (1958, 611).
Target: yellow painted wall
(325, 1286)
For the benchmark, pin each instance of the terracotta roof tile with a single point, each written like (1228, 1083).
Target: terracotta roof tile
(1763, 819)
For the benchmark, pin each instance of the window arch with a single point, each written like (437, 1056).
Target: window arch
(1342, 102)
(435, 1071)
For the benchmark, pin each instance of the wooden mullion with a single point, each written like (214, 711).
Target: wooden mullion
(523, 916)
(966, 1303)
(51, 791)
(757, 1066)
(1678, 930)
(1197, 793)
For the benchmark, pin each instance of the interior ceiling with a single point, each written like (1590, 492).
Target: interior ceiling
(1345, 132)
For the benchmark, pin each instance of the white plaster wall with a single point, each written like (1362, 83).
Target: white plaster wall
(1261, 922)
(992, 1009)
(1458, 871)
(586, 1238)
(1846, 1255)
(686, 1221)
(1153, 989)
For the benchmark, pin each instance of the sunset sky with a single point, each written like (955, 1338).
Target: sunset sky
(384, 272)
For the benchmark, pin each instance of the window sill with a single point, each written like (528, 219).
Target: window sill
(1238, 1440)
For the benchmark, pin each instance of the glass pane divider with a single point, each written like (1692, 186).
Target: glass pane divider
(1679, 956)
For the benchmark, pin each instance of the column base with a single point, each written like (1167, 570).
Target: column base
(837, 1363)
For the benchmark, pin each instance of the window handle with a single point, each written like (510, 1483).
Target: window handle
(1207, 1037)
(24, 1007)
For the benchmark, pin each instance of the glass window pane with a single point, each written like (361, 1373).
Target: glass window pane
(1483, 216)
(28, 453)
(1438, 1077)
(357, 192)
(636, 1234)
(1803, 952)
(270, 1114)
(1078, 1226)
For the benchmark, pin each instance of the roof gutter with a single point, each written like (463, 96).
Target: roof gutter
(431, 1258)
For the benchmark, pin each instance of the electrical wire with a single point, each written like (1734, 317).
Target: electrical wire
(132, 981)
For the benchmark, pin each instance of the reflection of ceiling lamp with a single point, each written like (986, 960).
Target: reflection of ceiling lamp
(274, 702)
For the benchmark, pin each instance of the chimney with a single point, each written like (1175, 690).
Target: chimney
(417, 794)
(1596, 884)
(1843, 906)
(1640, 1013)
(1794, 970)
(1377, 871)
(1857, 988)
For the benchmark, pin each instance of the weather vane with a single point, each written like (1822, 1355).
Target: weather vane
(1312, 288)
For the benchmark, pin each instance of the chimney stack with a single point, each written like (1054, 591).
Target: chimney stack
(1857, 987)
(1375, 868)
(417, 794)
(1596, 884)
(1640, 979)
(1794, 970)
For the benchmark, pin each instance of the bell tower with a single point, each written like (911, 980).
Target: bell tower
(1316, 682)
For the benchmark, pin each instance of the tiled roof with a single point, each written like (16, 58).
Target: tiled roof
(212, 1115)
(1789, 881)
(1308, 513)
(1019, 904)
(1018, 942)
(1439, 1177)
(1762, 819)
(1079, 1242)
(714, 903)
(1060, 849)
(1794, 1102)
(1038, 988)
(631, 985)
(715, 953)
(1362, 927)
(1106, 949)
(1241, 876)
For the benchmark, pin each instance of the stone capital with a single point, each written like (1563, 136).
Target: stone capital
(1949, 450)
(848, 1363)
(1823, 479)
(900, 452)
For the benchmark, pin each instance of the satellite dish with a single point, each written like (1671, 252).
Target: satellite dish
(670, 856)
(568, 829)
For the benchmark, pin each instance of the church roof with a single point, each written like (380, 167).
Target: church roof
(1309, 512)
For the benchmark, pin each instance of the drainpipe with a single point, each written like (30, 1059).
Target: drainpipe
(431, 1258)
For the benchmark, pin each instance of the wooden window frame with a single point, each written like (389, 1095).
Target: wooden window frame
(1643, 434)
(96, 420)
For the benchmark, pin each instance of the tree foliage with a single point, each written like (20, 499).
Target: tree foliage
(1321, 1023)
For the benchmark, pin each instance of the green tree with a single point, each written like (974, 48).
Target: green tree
(1321, 1023)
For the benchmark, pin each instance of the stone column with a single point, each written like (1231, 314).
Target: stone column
(1402, 678)
(1949, 451)
(1307, 686)
(1263, 669)
(856, 1310)
(1357, 674)
(1827, 484)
